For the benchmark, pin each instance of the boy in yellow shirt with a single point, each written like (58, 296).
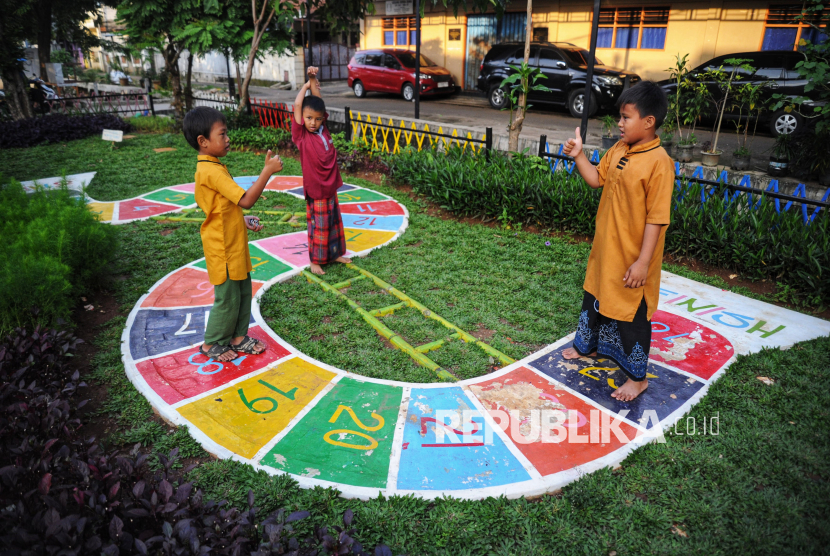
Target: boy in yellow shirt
(224, 235)
(622, 283)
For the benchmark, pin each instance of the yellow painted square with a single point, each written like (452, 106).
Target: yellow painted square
(358, 240)
(103, 210)
(245, 428)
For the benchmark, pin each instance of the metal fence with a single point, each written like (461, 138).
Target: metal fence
(708, 188)
(132, 104)
(272, 114)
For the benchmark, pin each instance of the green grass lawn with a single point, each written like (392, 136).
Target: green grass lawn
(762, 485)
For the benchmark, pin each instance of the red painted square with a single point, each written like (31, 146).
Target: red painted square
(187, 287)
(688, 345)
(284, 183)
(187, 373)
(292, 248)
(380, 208)
(142, 208)
(548, 457)
(185, 187)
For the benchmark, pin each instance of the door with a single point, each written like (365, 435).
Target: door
(483, 31)
(393, 76)
(371, 72)
(332, 59)
(555, 70)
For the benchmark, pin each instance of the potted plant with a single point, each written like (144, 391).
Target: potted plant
(779, 160)
(667, 137)
(609, 125)
(747, 97)
(685, 108)
(723, 80)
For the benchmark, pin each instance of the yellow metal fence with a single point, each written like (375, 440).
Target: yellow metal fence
(392, 136)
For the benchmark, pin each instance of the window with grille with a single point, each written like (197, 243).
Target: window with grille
(784, 32)
(633, 28)
(399, 31)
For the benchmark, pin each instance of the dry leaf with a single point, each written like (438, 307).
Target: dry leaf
(733, 276)
(678, 531)
(766, 380)
(83, 299)
(89, 307)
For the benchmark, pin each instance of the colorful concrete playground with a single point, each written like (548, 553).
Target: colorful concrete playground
(529, 428)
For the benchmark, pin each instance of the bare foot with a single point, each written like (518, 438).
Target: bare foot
(317, 269)
(344, 260)
(571, 353)
(630, 390)
(227, 356)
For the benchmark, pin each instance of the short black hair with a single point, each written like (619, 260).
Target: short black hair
(315, 103)
(649, 99)
(199, 121)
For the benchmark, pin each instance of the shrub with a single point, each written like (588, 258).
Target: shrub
(54, 249)
(55, 128)
(354, 157)
(153, 124)
(758, 243)
(240, 121)
(261, 138)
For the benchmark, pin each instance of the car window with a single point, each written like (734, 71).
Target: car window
(373, 59)
(408, 60)
(549, 59)
(579, 57)
(359, 59)
(519, 55)
(790, 61)
(391, 62)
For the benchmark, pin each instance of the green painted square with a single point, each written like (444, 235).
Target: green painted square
(265, 266)
(171, 196)
(347, 450)
(358, 195)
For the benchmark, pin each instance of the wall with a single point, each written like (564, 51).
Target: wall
(213, 67)
(702, 28)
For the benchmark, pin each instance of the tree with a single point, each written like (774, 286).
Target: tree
(157, 25)
(13, 30)
(515, 127)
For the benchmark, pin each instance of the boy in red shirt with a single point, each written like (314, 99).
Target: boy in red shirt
(321, 177)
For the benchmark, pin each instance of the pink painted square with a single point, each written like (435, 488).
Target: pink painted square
(185, 188)
(142, 208)
(292, 248)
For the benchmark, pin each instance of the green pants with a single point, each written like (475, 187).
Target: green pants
(231, 311)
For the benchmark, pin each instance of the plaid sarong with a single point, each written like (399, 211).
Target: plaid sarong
(326, 238)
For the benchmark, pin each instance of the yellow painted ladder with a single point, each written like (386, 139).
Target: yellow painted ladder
(416, 353)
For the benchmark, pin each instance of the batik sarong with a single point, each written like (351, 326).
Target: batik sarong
(326, 238)
(626, 343)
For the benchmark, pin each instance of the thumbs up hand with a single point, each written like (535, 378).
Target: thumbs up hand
(573, 146)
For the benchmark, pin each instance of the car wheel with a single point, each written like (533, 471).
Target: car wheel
(784, 123)
(408, 92)
(497, 97)
(576, 103)
(358, 89)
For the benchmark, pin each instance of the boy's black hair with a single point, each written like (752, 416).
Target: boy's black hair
(649, 99)
(314, 103)
(199, 121)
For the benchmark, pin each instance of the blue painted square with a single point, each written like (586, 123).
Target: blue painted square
(388, 223)
(598, 378)
(430, 463)
(298, 191)
(245, 182)
(159, 331)
(345, 187)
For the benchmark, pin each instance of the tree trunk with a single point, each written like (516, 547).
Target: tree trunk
(171, 64)
(516, 126)
(17, 96)
(44, 35)
(188, 90)
(260, 25)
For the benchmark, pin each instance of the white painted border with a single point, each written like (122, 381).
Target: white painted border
(536, 486)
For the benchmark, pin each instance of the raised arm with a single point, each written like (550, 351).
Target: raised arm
(314, 86)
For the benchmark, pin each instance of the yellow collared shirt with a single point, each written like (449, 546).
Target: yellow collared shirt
(224, 235)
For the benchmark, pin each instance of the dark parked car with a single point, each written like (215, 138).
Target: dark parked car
(393, 71)
(775, 69)
(564, 66)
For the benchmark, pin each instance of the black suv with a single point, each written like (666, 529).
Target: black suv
(564, 66)
(773, 68)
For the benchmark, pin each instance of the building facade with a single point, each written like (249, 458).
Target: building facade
(640, 36)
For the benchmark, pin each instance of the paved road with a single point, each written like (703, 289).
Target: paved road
(473, 110)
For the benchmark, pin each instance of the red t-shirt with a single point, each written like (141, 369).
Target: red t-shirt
(321, 176)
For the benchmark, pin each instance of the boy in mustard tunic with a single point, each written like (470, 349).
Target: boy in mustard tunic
(224, 235)
(622, 283)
